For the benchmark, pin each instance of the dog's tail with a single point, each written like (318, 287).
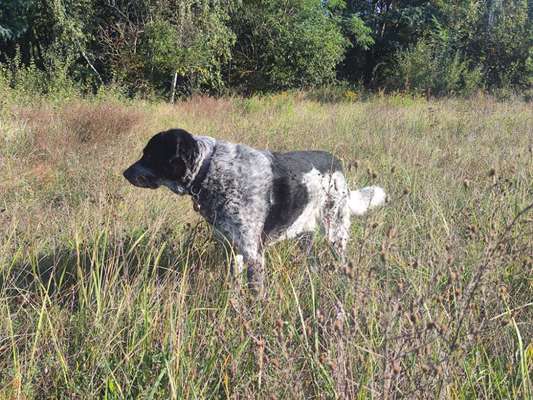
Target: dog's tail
(366, 198)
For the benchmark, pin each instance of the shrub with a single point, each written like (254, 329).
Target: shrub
(286, 44)
(27, 80)
(334, 93)
(432, 68)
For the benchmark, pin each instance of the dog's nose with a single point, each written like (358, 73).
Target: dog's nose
(128, 174)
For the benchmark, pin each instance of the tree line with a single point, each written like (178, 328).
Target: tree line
(162, 47)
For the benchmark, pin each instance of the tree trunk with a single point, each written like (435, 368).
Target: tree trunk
(174, 86)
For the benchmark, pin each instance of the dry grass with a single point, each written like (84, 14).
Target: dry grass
(113, 292)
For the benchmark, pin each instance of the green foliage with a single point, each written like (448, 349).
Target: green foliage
(446, 47)
(495, 35)
(27, 80)
(14, 19)
(430, 67)
(284, 44)
(161, 39)
(362, 34)
(192, 40)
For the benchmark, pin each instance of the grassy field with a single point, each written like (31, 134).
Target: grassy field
(109, 291)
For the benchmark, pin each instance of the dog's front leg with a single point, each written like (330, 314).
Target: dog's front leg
(237, 266)
(248, 252)
(251, 254)
(306, 244)
(256, 275)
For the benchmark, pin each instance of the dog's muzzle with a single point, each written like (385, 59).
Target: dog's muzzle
(140, 176)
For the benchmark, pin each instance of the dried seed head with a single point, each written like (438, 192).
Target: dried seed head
(347, 270)
(453, 275)
(338, 325)
(396, 368)
(308, 328)
(260, 342)
(319, 316)
(247, 328)
(330, 267)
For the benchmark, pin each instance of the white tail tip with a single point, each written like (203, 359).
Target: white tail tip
(366, 198)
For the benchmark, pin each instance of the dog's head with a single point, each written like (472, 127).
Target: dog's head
(168, 159)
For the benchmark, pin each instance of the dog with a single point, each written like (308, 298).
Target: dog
(255, 197)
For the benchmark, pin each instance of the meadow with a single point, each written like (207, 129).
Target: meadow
(113, 292)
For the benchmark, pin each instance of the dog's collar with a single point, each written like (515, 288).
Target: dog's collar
(194, 186)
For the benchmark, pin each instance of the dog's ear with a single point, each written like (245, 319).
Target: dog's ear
(187, 148)
(186, 152)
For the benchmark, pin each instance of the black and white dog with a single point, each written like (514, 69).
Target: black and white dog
(255, 197)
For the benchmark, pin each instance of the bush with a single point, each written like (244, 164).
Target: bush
(27, 80)
(192, 41)
(286, 44)
(338, 93)
(434, 69)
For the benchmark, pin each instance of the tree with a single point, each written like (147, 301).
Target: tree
(284, 44)
(149, 43)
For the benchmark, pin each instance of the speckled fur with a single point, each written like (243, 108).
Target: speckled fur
(253, 197)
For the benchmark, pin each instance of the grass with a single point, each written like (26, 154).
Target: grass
(108, 291)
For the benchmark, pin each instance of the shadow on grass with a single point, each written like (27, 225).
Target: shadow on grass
(61, 272)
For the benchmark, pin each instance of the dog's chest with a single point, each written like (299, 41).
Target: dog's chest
(235, 190)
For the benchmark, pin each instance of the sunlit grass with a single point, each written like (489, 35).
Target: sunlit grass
(109, 291)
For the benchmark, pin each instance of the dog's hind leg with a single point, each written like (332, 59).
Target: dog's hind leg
(336, 223)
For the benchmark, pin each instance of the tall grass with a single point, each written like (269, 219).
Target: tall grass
(108, 291)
